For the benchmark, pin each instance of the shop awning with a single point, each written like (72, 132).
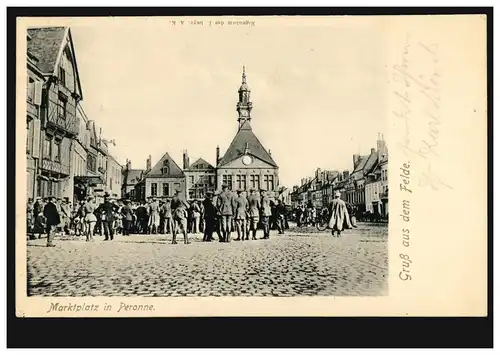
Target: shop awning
(91, 180)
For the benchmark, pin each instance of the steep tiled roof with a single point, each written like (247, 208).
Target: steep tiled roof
(365, 164)
(201, 161)
(237, 148)
(45, 44)
(174, 169)
(133, 176)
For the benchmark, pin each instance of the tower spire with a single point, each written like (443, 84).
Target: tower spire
(243, 76)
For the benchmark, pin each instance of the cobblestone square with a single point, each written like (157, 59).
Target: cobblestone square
(298, 263)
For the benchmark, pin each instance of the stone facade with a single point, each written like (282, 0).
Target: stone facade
(246, 163)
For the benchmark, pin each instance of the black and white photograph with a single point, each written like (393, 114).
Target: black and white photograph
(238, 166)
(167, 160)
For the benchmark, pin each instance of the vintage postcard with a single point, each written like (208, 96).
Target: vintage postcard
(243, 166)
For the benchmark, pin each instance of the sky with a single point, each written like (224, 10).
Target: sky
(318, 89)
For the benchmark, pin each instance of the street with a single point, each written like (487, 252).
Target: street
(294, 264)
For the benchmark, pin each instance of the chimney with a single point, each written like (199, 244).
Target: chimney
(148, 163)
(269, 152)
(345, 175)
(372, 151)
(355, 158)
(185, 160)
(217, 155)
(129, 165)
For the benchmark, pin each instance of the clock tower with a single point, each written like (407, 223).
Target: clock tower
(244, 105)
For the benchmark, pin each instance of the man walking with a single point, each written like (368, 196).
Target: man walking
(253, 213)
(52, 218)
(225, 205)
(339, 219)
(266, 212)
(241, 215)
(109, 209)
(280, 216)
(179, 208)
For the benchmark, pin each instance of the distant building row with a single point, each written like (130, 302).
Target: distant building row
(365, 187)
(66, 154)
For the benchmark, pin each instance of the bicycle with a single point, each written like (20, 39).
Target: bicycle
(322, 220)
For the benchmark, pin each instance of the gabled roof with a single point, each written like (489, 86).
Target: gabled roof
(203, 162)
(237, 148)
(47, 44)
(365, 164)
(133, 176)
(173, 171)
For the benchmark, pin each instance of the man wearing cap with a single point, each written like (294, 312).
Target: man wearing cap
(166, 215)
(109, 209)
(339, 219)
(210, 217)
(179, 208)
(265, 203)
(127, 217)
(241, 215)
(218, 217)
(226, 207)
(253, 213)
(52, 218)
(154, 216)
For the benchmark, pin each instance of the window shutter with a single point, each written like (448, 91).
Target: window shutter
(36, 139)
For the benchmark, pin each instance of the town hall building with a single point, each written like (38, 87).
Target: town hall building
(246, 163)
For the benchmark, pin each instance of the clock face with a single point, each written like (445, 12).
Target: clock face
(244, 113)
(247, 160)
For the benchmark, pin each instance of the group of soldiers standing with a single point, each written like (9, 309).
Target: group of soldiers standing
(245, 213)
(220, 213)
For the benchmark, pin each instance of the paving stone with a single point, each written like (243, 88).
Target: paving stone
(292, 265)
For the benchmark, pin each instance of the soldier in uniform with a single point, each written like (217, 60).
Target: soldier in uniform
(179, 208)
(253, 213)
(210, 216)
(166, 215)
(225, 205)
(241, 215)
(265, 204)
(109, 208)
(218, 216)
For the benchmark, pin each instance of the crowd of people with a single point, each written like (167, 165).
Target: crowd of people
(222, 213)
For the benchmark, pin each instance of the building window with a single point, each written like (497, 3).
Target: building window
(61, 106)
(166, 191)
(227, 180)
(111, 183)
(255, 181)
(57, 150)
(31, 89)
(165, 170)
(47, 147)
(241, 182)
(269, 182)
(62, 76)
(154, 189)
(29, 137)
(191, 180)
